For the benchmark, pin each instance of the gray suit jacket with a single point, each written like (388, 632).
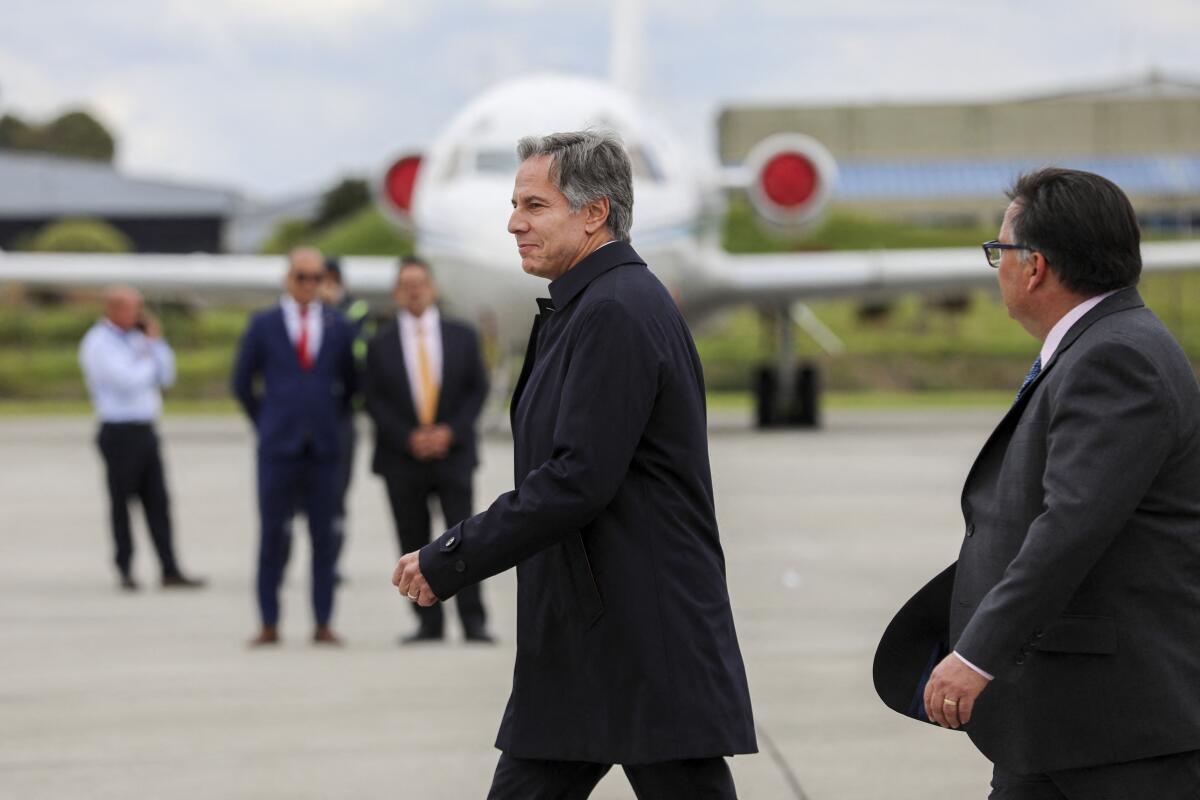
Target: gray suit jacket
(1078, 581)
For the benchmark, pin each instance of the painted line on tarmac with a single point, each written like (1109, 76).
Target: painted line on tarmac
(789, 775)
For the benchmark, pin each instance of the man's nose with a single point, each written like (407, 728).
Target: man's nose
(515, 223)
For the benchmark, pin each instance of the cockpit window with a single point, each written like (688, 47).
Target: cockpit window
(644, 164)
(490, 161)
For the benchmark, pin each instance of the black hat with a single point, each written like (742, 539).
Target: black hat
(914, 643)
(333, 266)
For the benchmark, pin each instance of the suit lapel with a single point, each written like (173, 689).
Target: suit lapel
(1123, 300)
(395, 357)
(279, 333)
(449, 362)
(545, 307)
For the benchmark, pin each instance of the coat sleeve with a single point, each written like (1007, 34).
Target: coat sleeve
(1107, 438)
(348, 365)
(474, 393)
(246, 368)
(607, 394)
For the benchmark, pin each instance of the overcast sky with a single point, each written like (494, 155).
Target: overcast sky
(273, 97)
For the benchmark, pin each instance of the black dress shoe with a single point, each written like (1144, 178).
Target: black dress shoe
(420, 637)
(479, 637)
(181, 581)
(128, 584)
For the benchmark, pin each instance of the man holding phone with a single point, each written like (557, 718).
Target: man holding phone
(126, 364)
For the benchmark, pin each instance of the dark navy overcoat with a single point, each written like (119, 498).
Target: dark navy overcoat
(626, 650)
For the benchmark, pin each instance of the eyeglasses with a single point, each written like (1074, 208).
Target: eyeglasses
(994, 249)
(308, 277)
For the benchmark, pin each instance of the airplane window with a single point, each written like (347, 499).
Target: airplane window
(644, 165)
(496, 161)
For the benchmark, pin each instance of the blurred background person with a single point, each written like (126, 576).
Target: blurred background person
(294, 377)
(425, 385)
(334, 294)
(126, 363)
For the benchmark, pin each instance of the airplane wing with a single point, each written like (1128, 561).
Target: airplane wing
(878, 274)
(200, 275)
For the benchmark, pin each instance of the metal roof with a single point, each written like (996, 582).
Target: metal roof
(35, 185)
(1168, 175)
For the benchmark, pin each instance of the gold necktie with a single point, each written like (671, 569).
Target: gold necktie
(429, 389)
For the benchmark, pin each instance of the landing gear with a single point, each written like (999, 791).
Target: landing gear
(787, 394)
(791, 404)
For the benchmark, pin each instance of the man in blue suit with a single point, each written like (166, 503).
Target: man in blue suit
(295, 376)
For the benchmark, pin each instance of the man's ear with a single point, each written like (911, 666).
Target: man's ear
(1036, 270)
(595, 215)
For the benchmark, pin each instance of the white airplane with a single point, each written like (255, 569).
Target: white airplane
(456, 201)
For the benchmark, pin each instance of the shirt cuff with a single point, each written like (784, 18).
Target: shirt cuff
(972, 666)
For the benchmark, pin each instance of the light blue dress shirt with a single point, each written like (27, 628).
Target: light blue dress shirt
(125, 371)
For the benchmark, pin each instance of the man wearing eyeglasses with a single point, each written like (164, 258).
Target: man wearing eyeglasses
(1073, 613)
(294, 377)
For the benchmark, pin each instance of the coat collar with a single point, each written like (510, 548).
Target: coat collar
(570, 285)
(1123, 300)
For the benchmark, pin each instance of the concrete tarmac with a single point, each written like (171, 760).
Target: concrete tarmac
(106, 694)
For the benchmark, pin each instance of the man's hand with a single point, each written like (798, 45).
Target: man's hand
(951, 692)
(430, 442)
(440, 439)
(150, 325)
(408, 579)
(420, 444)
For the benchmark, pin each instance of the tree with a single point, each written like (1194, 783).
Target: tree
(74, 134)
(15, 133)
(80, 236)
(78, 134)
(342, 201)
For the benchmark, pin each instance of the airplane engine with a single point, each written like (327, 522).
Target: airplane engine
(791, 178)
(395, 191)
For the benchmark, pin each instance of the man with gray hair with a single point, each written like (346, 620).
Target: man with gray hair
(626, 650)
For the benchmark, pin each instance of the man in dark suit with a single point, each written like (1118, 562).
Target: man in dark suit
(1073, 614)
(626, 650)
(424, 386)
(294, 377)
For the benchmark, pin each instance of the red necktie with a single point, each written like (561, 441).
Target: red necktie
(302, 341)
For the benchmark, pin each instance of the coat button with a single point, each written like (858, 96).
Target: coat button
(1021, 658)
(971, 529)
(460, 566)
(449, 542)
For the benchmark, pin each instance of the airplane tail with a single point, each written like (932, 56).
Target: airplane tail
(627, 46)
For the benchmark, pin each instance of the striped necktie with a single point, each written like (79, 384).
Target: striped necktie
(427, 413)
(1030, 378)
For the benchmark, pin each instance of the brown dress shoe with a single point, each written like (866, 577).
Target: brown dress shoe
(325, 635)
(268, 635)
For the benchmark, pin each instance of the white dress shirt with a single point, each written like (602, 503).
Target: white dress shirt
(314, 321)
(1049, 347)
(430, 323)
(124, 372)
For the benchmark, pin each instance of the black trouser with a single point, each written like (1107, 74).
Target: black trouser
(1171, 777)
(529, 779)
(408, 493)
(134, 469)
(347, 438)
